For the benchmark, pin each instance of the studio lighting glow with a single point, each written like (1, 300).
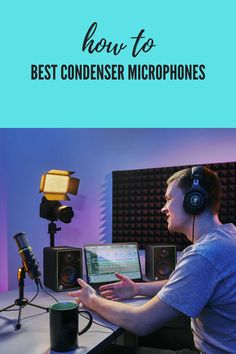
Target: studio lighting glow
(55, 184)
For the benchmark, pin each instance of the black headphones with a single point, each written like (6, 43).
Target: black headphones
(195, 199)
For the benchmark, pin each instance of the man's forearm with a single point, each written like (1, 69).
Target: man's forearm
(140, 320)
(121, 314)
(150, 288)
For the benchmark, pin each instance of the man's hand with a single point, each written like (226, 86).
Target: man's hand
(85, 295)
(124, 289)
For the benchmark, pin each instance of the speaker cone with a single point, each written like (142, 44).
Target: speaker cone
(68, 275)
(165, 268)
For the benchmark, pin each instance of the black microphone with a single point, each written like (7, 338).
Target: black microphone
(29, 261)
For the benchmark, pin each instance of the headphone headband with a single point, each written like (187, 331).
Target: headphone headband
(197, 172)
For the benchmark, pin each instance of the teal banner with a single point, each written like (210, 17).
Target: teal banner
(118, 64)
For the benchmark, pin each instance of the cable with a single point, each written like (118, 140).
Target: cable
(99, 324)
(193, 224)
(42, 288)
(29, 302)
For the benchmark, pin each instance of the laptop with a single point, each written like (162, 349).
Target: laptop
(104, 260)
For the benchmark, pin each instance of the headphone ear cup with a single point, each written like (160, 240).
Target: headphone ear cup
(194, 201)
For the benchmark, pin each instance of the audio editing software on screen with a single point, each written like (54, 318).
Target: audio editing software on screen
(103, 261)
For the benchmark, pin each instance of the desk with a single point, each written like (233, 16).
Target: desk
(33, 337)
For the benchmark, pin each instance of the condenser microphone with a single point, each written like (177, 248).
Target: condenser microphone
(29, 261)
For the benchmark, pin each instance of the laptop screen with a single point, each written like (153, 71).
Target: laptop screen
(104, 260)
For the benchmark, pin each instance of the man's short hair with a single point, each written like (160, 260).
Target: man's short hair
(209, 181)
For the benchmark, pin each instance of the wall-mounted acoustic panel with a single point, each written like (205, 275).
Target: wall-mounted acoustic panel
(139, 195)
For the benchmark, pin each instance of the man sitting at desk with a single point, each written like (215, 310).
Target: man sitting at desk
(203, 285)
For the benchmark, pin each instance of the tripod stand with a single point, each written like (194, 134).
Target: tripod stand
(22, 301)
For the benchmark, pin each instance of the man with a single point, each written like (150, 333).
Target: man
(203, 285)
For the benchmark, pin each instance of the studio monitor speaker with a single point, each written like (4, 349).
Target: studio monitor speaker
(61, 267)
(160, 261)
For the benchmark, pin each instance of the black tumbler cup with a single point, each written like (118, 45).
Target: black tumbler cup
(63, 326)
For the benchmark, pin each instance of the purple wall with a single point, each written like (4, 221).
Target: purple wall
(3, 221)
(93, 154)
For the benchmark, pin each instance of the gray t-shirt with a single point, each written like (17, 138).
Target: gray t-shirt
(203, 286)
